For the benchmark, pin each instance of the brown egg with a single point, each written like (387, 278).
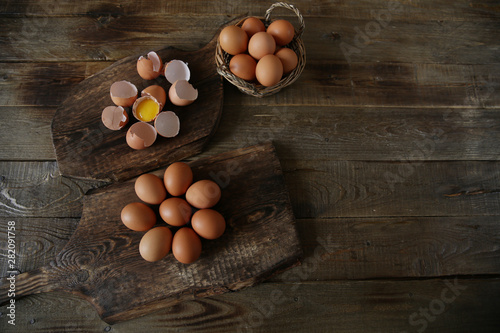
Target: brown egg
(114, 117)
(233, 40)
(252, 25)
(269, 70)
(203, 194)
(175, 211)
(208, 223)
(186, 246)
(261, 44)
(140, 135)
(288, 58)
(243, 66)
(156, 244)
(177, 178)
(157, 92)
(138, 216)
(146, 108)
(149, 67)
(150, 189)
(282, 31)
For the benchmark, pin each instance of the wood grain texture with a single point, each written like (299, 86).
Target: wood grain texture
(369, 189)
(101, 261)
(36, 189)
(38, 240)
(342, 133)
(85, 148)
(358, 306)
(368, 248)
(419, 9)
(323, 83)
(84, 38)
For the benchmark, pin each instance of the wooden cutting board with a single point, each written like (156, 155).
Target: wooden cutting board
(101, 261)
(86, 149)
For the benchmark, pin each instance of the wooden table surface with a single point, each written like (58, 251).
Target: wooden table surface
(389, 143)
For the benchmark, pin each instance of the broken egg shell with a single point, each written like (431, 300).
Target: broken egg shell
(149, 118)
(141, 135)
(177, 70)
(149, 67)
(167, 124)
(114, 117)
(182, 93)
(157, 92)
(123, 93)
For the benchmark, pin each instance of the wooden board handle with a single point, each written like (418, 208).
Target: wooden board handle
(34, 282)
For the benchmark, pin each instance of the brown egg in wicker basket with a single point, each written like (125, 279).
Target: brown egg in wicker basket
(254, 88)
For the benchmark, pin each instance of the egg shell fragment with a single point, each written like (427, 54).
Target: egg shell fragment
(140, 135)
(149, 67)
(157, 92)
(177, 70)
(182, 93)
(114, 117)
(156, 244)
(167, 124)
(123, 93)
(186, 245)
(148, 114)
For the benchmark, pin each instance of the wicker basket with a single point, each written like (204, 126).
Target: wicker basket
(253, 88)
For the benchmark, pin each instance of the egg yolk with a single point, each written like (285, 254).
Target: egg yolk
(147, 110)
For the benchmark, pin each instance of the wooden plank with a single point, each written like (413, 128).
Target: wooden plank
(322, 189)
(342, 133)
(37, 241)
(318, 189)
(337, 248)
(36, 189)
(323, 83)
(419, 9)
(84, 38)
(367, 248)
(260, 240)
(448, 305)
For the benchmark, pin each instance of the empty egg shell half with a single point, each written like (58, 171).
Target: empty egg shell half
(149, 67)
(141, 135)
(114, 117)
(146, 108)
(167, 124)
(177, 70)
(123, 93)
(182, 93)
(157, 92)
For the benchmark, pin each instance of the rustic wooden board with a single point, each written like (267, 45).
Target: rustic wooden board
(319, 306)
(86, 149)
(101, 261)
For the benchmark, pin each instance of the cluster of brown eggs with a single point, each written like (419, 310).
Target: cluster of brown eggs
(268, 58)
(147, 109)
(176, 211)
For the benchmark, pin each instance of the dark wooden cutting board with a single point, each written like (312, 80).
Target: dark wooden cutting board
(101, 261)
(86, 149)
